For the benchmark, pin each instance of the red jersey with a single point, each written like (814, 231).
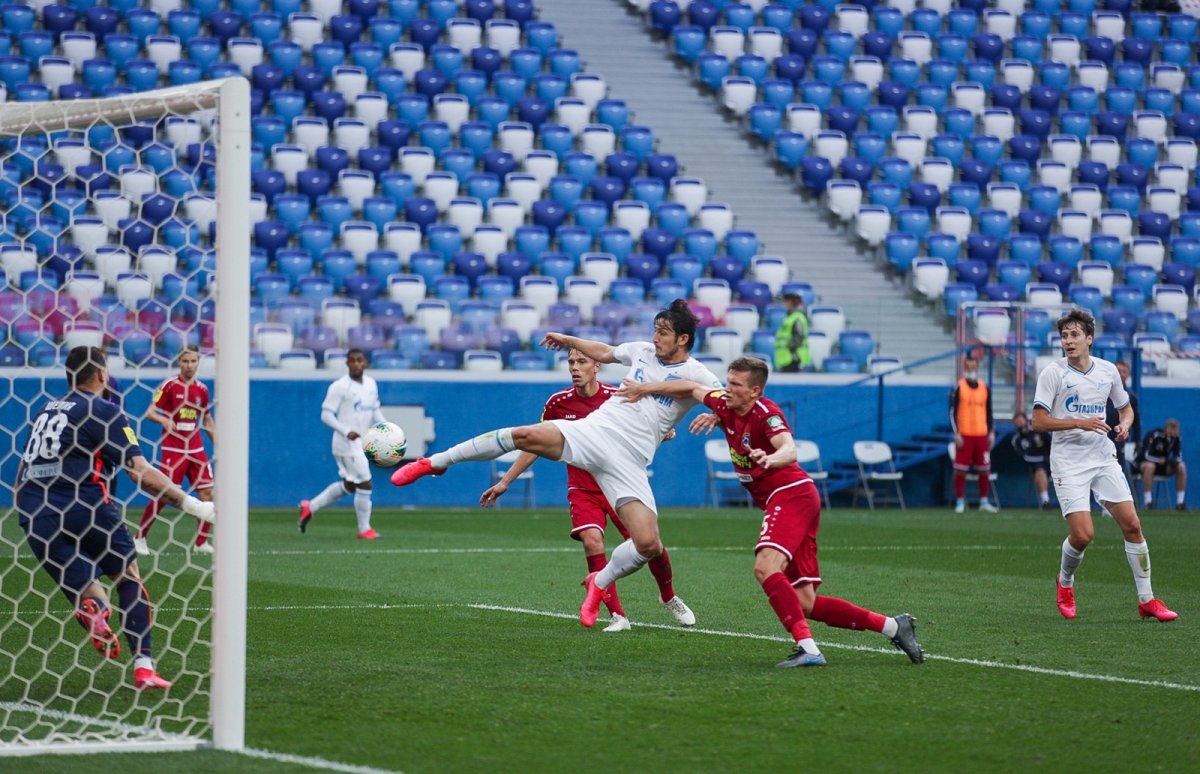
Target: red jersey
(753, 430)
(186, 405)
(569, 404)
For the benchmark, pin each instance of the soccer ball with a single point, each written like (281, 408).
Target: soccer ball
(385, 444)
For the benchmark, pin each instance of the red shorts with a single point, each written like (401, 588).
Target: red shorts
(193, 466)
(790, 526)
(975, 452)
(589, 510)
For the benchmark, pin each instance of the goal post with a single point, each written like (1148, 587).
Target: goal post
(58, 694)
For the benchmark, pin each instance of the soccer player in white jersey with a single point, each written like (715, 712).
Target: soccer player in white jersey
(1070, 404)
(614, 443)
(351, 406)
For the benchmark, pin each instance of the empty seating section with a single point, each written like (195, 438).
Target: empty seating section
(428, 186)
(1042, 151)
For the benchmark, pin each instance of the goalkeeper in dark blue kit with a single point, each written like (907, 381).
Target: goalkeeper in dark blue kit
(71, 450)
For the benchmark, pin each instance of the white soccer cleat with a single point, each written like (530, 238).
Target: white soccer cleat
(987, 507)
(203, 548)
(683, 614)
(619, 624)
(960, 507)
(141, 546)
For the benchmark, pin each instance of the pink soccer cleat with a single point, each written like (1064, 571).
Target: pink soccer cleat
(414, 470)
(96, 622)
(370, 534)
(590, 608)
(306, 515)
(1156, 609)
(148, 680)
(1066, 600)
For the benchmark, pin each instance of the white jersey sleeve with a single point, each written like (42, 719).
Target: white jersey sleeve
(1048, 383)
(1118, 394)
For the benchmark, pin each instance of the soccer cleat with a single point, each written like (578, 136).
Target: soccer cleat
(594, 595)
(95, 621)
(683, 614)
(960, 507)
(619, 624)
(1180, 507)
(906, 638)
(203, 548)
(1066, 599)
(414, 470)
(987, 507)
(370, 534)
(1156, 609)
(801, 658)
(141, 546)
(148, 680)
(306, 515)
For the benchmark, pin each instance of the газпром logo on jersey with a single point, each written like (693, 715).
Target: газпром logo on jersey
(1075, 407)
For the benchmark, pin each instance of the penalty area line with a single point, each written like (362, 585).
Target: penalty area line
(1067, 673)
(311, 762)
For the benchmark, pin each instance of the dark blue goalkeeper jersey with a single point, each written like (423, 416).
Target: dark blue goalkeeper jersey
(73, 447)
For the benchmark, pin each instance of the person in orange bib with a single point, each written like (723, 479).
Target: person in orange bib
(971, 419)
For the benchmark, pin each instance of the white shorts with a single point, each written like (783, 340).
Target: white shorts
(1075, 491)
(619, 470)
(353, 467)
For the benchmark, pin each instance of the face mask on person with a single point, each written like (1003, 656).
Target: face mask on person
(971, 374)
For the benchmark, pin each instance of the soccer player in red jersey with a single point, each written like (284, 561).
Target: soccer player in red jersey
(785, 563)
(588, 505)
(181, 405)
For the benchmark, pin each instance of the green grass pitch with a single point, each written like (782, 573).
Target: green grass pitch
(452, 644)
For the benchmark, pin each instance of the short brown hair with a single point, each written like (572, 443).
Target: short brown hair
(1172, 423)
(83, 364)
(1081, 318)
(752, 366)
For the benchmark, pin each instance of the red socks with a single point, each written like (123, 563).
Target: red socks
(203, 533)
(660, 568)
(960, 484)
(841, 614)
(985, 482)
(596, 563)
(153, 508)
(786, 604)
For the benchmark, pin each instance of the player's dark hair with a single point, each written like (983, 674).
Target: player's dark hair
(83, 363)
(755, 369)
(356, 351)
(681, 320)
(1079, 317)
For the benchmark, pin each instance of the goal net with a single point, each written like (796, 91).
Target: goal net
(124, 224)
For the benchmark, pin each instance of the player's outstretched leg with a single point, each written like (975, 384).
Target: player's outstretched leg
(93, 617)
(481, 448)
(841, 614)
(136, 620)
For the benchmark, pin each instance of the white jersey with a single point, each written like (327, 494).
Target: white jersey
(1070, 394)
(355, 407)
(642, 425)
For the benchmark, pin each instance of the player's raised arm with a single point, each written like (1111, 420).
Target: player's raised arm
(491, 494)
(631, 391)
(596, 350)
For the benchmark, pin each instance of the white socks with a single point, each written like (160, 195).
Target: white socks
(362, 509)
(1179, 497)
(890, 627)
(481, 448)
(143, 662)
(1071, 557)
(1147, 499)
(810, 646)
(330, 495)
(1138, 555)
(625, 560)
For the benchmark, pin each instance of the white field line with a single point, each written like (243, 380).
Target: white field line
(749, 548)
(868, 649)
(146, 733)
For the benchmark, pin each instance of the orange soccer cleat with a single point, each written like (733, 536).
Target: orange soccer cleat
(1156, 609)
(590, 608)
(148, 680)
(414, 470)
(1066, 599)
(95, 621)
(369, 534)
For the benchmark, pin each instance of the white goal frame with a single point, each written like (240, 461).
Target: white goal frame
(231, 99)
